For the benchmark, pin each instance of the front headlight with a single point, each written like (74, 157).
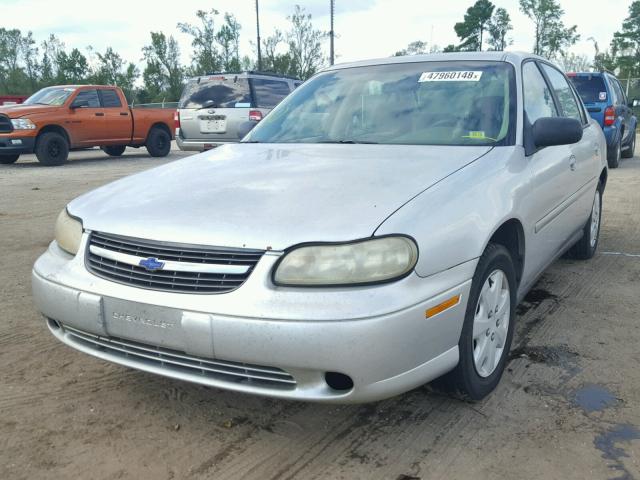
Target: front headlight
(68, 232)
(363, 262)
(23, 124)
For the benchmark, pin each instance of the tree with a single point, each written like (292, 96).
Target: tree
(499, 27)
(551, 35)
(163, 75)
(111, 69)
(417, 47)
(570, 62)
(625, 46)
(29, 52)
(12, 77)
(476, 22)
(205, 56)
(51, 48)
(228, 37)
(305, 44)
(274, 60)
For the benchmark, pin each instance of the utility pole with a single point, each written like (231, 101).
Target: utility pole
(331, 34)
(258, 31)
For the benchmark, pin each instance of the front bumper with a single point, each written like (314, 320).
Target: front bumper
(16, 144)
(365, 333)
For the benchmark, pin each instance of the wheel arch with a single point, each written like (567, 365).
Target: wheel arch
(510, 234)
(161, 126)
(56, 129)
(604, 175)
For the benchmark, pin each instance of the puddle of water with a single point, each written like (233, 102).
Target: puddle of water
(594, 398)
(533, 299)
(609, 444)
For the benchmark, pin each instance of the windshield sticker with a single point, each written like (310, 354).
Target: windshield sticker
(460, 76)
(478, 135)
(242, 105)
(602, 96)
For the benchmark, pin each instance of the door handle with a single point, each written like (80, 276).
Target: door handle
(124, 114)
(99, 114)
(572, 162)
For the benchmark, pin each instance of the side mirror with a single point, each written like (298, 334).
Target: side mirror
(245, 127)
(550, 131)
(634, 103)
(79, 104)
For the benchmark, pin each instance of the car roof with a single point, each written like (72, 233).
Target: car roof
(511, 57)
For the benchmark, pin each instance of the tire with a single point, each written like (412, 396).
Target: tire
(613, 155)
(630, 152)
(158, 142)
(52, 149)
(8, 159)
(471, 379)
(586, 247)
(114, 150)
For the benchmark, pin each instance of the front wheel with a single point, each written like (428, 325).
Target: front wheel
(630, 152)
(8, 159)
(586, 247)
(488, 326)
(158, 142)
(114, 150)
(52, 149)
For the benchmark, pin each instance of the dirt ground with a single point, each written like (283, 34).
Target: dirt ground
(568, 406)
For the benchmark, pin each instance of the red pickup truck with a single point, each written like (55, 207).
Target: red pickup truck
(55, 120)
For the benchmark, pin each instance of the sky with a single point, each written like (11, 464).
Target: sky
(364, 28)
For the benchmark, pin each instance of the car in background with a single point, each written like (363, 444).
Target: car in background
(374, 232)
(607, 104)
(212, 107)
(55, 120)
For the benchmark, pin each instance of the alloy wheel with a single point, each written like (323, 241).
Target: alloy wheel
(595, 220)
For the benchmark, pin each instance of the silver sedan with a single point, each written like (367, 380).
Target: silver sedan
(374, 232)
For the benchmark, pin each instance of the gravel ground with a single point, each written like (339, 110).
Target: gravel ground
(568, 406)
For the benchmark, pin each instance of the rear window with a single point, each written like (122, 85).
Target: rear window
(590, 88)
(110, 99)
(269, 93)
(216, 92)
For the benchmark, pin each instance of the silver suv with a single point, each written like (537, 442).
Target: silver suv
(212, 107)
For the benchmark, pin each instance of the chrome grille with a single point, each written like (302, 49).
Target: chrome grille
(181, 362)
(188, 269)
(5, 124)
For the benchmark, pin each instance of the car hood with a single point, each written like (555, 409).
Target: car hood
(18, 111)
(271, 195)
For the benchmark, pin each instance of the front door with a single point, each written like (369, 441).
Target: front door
(86, 125)
(117, 118)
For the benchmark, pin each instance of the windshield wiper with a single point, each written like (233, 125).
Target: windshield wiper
(349, 142)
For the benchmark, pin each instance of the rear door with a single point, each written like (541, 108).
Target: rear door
(593, 92)
(117, 117)
(212, 108)
(86, 125)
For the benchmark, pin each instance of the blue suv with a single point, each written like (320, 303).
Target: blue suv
(607, 104)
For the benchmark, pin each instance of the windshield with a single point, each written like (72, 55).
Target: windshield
(50, 96)
(216, 92)
(590, 88)
(426, 103)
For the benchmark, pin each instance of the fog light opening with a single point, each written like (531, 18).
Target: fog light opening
(338, 381)
(53, 325)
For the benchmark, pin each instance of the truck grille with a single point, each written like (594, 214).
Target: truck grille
(185, 268)
(5, 124)
(180, 362)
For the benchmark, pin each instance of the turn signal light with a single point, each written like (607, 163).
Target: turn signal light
(176, 120)
(446, 305)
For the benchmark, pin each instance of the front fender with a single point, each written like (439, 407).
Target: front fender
(453, 220)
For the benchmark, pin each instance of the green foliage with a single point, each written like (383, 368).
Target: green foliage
(417, 47)
(476, 22)
(551, 35)
(111, 69)
(499, 27)
(205, 53)
(163, 76)
(305, 45)
(625, 46)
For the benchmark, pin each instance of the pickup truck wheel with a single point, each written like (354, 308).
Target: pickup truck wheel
(114, 150)
(158, 143)
(8, 159)
(52, 149)
(587, 245)
(631, 150)
(488, 327)
(613, 155)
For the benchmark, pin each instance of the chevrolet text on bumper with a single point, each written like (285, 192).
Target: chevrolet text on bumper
(345, 251)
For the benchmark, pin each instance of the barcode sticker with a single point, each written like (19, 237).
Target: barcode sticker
(459, 76)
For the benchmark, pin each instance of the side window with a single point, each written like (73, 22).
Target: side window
(90, 96)
(615, 95)
(538, 101)
(269, 92)
(619, 91)
(560, 85)
(110, 99)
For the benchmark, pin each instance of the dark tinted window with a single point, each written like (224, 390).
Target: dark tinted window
(216, 92)
(618, 91)
(269, 93)
(110, 99)
(590, 88)
(90, 96)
